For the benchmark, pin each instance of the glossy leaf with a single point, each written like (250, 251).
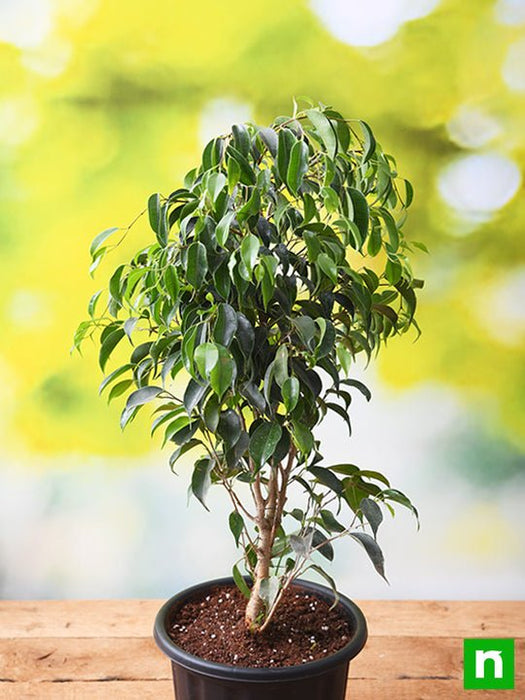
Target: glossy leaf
(373, 550)
(201, 479)
(249, 249)
(223, 228)
(264, 441)
(236, 523)
(297, 166)
(325, 130)
(240, 582)
(206, 357)
(197, 265)
(98, 240)
(223, 375)
(290, 393)
(225, 325)
(372, 513)
(142, 396)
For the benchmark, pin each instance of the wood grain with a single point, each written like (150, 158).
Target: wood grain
(104, 649)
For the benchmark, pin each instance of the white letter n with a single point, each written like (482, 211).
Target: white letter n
(482, 656)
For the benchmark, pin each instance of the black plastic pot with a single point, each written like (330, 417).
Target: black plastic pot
(197, 679)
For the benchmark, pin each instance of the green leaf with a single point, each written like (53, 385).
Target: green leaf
(225, 325)
(280, 365)
(193, 394)
(236, 523)
(269, 138)
(372, 513)
(215, 184)
(399, 497)
(329, 580)
(247, 176)
(297, 166)
(284, 149)
(361, 211)
(175, 427)
(185, 433)
(223, 374)
(419, 245)
(118, 389)
(229, 427)
(108, 345)
(154, 211)
(129, 326)
(369, 143)
(321, 544)
(127, 415)
(324, 129)
(182, 451)
(263, 442)
(142, 396)
(114, 284)
(93, 303)
(409, 196)
(393, 233)
(234, 174)
(306, 328)
(373, 550)
(99, 239)
(328, 266)
(328, 478)
(345, 358)
(162, 419)
(374, 241)
(97, 259)
(201, 479)
(241, 138)
(330, 523)
(197, 264)
(310, 208)
(171, 282)
(211, 155)
(223, 228)
(253, 395)
(240, 582)
(302, 437)
(245, 335)
(211, 413)
(358, 385)
(393, 271)
(206, 357)
(290, 393)
(249, 250)
(114, 375)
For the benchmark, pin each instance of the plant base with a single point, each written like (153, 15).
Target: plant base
(197, 679)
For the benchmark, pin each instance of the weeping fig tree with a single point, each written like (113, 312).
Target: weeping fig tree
(279, 262)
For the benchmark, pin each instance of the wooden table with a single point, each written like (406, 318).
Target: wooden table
(103, 649)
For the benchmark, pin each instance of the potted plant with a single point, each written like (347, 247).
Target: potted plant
(279, 261)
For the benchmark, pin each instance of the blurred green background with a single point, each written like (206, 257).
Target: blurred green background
(102, 103)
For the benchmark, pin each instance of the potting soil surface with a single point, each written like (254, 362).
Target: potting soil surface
(303, 629)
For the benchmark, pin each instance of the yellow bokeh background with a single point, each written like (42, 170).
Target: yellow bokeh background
(103, 103)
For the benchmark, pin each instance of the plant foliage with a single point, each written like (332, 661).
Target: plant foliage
(280, 260)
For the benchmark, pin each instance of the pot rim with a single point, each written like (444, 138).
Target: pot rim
(284, 673)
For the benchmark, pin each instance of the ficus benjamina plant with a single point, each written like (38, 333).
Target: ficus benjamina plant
(276, 266)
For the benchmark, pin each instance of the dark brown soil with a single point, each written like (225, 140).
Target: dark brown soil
(304, 629)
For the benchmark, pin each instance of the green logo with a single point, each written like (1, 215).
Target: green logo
(488, 663)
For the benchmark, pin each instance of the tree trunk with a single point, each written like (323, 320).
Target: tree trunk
(256, 607)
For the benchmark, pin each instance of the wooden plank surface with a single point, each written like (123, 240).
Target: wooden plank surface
(134, 618)
(104, 649)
